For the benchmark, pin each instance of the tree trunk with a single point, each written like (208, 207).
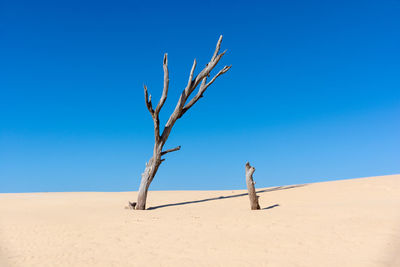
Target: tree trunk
(147, 177)
(250, 187)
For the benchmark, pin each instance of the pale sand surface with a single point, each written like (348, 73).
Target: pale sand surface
(343, 223)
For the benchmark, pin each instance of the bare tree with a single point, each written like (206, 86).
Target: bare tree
(250, 187)
(182, 106)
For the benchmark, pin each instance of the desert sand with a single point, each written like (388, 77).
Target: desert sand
(342, 223)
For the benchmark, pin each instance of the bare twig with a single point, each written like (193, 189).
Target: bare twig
(191, 74)
(166, 85)
(148, 101)
(217, 47)
(170, 150)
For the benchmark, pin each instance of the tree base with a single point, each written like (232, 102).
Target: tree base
(131, 205)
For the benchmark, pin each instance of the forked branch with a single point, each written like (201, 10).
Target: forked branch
(182, 106)
(203, 86)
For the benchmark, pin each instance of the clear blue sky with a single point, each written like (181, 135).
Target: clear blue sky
(313, 93)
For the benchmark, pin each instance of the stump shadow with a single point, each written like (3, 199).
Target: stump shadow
(229, 196)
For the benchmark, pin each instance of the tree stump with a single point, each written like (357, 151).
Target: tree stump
(250, 187)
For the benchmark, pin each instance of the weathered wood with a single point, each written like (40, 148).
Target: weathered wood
(170, 150)
(250, 187)
(181, 107)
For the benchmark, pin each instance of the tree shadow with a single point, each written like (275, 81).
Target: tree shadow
(230, 196)
(271, 207)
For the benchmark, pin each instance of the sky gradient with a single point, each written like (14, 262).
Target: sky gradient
(313, 93)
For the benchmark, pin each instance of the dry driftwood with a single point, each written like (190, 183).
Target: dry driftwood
(250, 187)
(181, 108)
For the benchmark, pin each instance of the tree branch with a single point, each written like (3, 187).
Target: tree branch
(203, 88)
(193, 83)
(209, 67)
(191, 86)
(191, 74)
(170, 150)
(166, 85)
(148, 101)
(224, 70)
(217, 47)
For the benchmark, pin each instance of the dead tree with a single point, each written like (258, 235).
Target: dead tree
(181, 108)
(250, 187)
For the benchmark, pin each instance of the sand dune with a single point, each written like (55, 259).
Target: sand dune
(343, 223)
